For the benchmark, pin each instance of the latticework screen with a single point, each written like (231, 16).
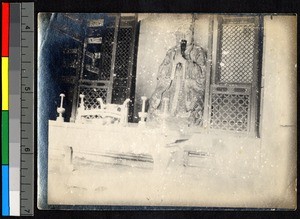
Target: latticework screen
(122, 65)
(123, 52)
(230, 108)
(91, 95)
(231, 95)
(107, 54)
(230, 111)
(237, 53)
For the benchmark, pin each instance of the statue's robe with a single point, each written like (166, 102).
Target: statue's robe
(183, 84)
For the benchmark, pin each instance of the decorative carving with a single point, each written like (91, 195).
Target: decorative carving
(104, 114)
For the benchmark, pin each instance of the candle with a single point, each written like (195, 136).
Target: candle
(144, 103)
(61, 100)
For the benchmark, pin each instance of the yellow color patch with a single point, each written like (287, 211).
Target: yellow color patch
(4, 75)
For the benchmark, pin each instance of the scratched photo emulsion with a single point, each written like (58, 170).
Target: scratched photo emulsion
(172, 110)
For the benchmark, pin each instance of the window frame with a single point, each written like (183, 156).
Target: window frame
(214, 58)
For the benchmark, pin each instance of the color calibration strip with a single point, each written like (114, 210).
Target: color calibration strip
(17, 73)
(27, 108)
(14, 109)
(5, 109)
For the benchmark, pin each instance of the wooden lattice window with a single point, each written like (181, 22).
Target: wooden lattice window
(104, 67)
(234, 89)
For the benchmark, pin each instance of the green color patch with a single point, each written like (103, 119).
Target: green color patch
(4, 136)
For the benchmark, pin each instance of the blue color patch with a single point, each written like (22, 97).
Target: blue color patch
(5, 190)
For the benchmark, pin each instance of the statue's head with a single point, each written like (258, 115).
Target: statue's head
(184, 33)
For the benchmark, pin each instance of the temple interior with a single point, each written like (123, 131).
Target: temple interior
(117, 116)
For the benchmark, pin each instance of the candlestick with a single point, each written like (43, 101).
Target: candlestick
(144, 103)
(143, 114)
(81, 100)
(61, 100)
(61, 110)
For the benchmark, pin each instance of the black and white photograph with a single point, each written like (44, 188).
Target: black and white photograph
(167, 110)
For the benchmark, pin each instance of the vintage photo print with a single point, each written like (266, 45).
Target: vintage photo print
(167, 110)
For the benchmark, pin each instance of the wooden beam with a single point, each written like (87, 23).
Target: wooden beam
(206, 116)
(113, 59)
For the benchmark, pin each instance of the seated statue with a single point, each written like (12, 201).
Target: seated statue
(181, 79)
